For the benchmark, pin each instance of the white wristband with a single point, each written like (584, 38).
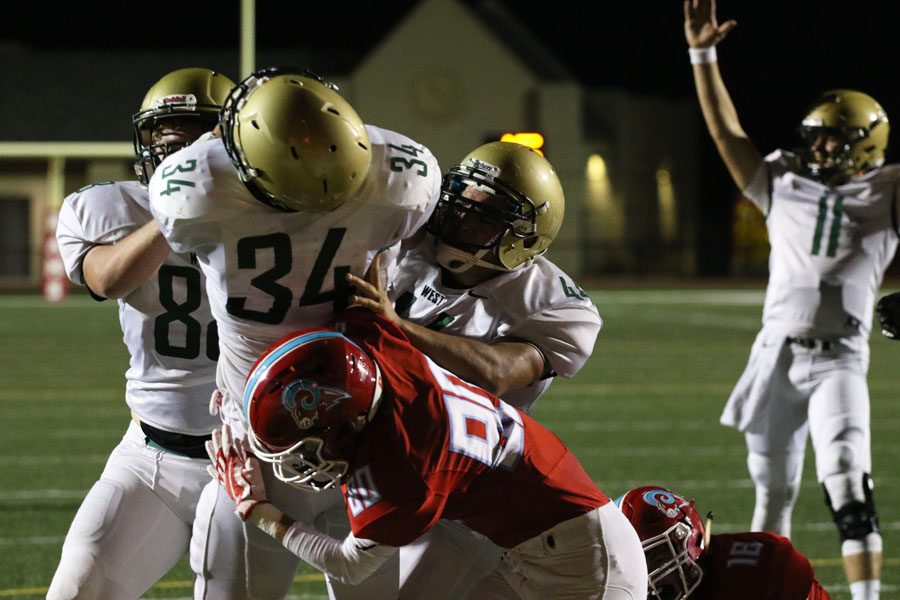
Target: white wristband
(703, 56)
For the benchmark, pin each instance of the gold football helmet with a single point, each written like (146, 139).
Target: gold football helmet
(500, 208)
(296, 143)
(846, 134)
(194, 93)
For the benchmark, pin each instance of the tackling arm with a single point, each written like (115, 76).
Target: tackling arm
(238, 472)
(348, 561)
(116, 270)
(702, 30)
(497, 368)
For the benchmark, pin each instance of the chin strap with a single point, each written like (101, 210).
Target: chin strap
(459, 261)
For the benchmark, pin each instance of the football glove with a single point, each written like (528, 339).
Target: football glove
(888, 312)
(215, 404)
(237, 471)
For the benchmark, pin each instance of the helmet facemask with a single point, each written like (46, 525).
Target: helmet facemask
(303, 465)
(477, 215)
(149, 153)
(672, 573)
(826, 152)
(228, 119)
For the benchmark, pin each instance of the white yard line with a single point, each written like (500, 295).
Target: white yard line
(54, 460)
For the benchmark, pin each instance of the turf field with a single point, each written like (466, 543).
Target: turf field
(644, 410)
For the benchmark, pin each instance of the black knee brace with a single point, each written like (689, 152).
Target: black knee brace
(855, 520)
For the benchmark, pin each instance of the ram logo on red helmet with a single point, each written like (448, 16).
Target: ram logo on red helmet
(306, 401)
(667, 502)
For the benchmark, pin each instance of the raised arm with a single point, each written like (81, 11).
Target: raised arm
(702, 32)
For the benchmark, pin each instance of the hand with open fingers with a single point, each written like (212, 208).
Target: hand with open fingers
(237, 471)
(370, 292)
(215, 403)
(701, 29)
(888, 312)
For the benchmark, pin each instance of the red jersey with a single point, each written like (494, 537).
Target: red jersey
(756, 566)
(440, 447)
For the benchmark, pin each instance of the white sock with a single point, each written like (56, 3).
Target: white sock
(865, 590)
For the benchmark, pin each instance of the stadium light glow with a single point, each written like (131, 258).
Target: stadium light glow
(530, 139)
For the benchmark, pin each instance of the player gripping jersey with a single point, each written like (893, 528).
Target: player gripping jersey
(276, 226)
(539, 305)
(271, 271)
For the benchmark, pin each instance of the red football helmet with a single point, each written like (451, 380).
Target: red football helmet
(671, 533)
(304, 395)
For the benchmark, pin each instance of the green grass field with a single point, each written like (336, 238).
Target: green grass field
(644, 410)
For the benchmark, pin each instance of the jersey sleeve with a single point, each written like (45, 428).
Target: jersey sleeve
(92, 216)
(72, 242)
(349, 561)
(759, 190)
(549, 310)
(414, 184)
(565, 335)
(388, 506)
(188, 194)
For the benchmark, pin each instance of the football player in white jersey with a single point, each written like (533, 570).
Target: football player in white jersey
(296, 193)
(478, 298)
(831, 217)
(135, 522)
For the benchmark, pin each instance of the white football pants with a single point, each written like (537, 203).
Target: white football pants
(134, 524)
(595, 556)
(818, 393)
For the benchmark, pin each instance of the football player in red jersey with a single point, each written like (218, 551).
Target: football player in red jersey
(410, 443)
(684, 562)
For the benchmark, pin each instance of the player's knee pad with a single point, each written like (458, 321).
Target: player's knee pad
(855, 517)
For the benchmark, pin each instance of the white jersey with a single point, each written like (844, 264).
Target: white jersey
(167, 325)
(538, 304)
(270, 272)
(830, 248)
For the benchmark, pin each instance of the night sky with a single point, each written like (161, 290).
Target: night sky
(775, 62)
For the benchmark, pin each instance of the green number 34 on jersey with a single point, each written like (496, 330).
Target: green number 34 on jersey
(174, 185)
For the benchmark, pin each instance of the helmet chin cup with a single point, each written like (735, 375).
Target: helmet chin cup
(457, 260)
